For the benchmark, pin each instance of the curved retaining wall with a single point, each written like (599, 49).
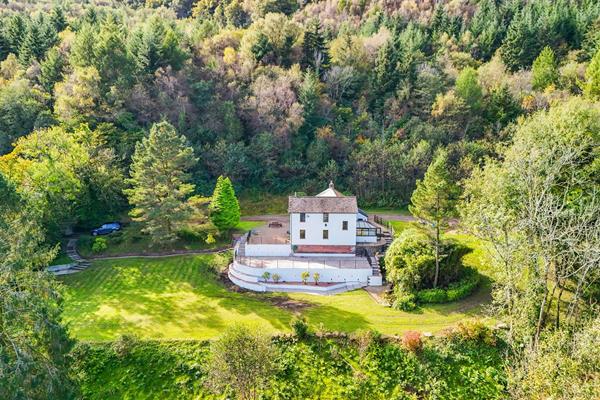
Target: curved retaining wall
(291, 274)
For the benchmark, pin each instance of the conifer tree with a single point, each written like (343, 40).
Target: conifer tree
(224, 208)
(434, 201)
(544, 70)
(591, 87)
(14, 32)
(316, 54)
(57, 19)
(159, 181)
(31, 47)
(51, 70)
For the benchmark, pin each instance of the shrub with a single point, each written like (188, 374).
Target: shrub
(266, 275)
(304, 276)
(190, 234)
(210, 239)
(99, 245)
(116, 237)
(432, 296)
(365, 339)
(276, 278)
(474, 330)
(300, 327)
(123, 345)
(404, 302)
(464, 287)
(410, 261)
(411, 340)
(316, 277)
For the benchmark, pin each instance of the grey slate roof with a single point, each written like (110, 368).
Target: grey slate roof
(314, 204)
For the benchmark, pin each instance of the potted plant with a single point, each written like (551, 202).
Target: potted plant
(316, 277)
(305, 275)
(276, 278)
(266, 275)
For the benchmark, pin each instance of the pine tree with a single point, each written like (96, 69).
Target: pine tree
(544, 70)
(159, 182)
(51, 70)
(14, 32)
(57, 19)
(32, 45)
(224, 209)
(111, 57)
(591, 86)
(434, 201)
(316, 54)
(521, 44)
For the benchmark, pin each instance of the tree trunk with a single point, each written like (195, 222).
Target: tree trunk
(437, 255)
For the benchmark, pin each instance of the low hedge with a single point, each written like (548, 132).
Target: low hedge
(454, 291)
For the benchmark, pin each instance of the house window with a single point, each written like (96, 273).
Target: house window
(302, 234)
(344, 225)
(302, 217)
(325, 234)
(325, 217)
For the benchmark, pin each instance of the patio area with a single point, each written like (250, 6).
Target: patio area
(275, 231)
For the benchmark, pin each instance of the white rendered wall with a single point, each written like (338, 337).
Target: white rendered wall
(295, 274)
(268, 250)
(314, 227)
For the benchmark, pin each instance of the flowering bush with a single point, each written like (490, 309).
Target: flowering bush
(411, 340)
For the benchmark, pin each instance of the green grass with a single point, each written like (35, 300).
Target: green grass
(387, 210)
(263, 204)
(131, 241)
(400, 226)
(181, 297)
(61, 258)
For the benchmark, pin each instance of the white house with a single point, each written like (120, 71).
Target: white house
(324, 235)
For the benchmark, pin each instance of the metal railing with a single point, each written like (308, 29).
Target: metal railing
(313, 263)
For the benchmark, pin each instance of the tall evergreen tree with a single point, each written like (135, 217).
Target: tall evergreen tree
(316, 54)
(14, 33)
(224, 209)
(434, 201)
(159, 179)
(110, 56)
(521, 44)
(544, 70)
(591, 87)
(57, 18)
(32, 47)
(51, 70)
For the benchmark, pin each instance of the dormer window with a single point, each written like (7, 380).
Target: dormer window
(325, 217)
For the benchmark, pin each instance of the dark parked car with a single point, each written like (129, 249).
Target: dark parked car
(107, 229)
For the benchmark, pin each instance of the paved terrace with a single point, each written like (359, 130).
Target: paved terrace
(305, 262)
(274, 231)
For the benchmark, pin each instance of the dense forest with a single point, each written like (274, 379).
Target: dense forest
(102, 99)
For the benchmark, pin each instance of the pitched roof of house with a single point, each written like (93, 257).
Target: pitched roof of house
(328, 201)
(330, 192)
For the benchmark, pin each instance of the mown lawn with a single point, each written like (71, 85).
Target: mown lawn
(182, 297)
